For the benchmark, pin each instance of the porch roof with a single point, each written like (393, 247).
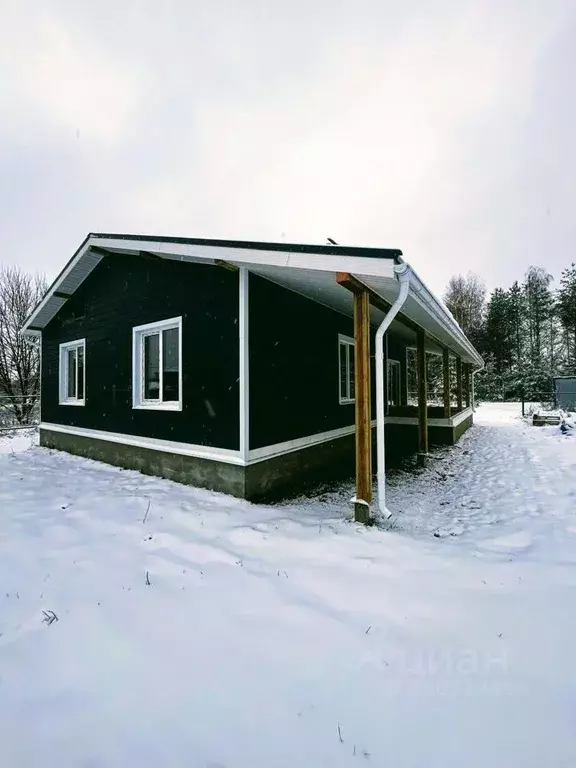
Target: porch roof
(306, 269)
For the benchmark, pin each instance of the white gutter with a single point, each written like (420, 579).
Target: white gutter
(403, 274)
(439, 310)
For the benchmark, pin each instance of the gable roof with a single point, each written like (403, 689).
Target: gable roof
(307, 269)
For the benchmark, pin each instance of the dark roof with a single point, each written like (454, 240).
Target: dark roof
(342, 250)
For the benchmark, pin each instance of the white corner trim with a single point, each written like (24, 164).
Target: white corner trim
(289, 446)
(168, 446)
(244, 363)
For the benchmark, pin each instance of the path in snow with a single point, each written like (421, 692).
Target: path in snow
(502, 487)
(503, 476)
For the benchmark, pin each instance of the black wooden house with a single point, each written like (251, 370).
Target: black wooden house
(243, 367)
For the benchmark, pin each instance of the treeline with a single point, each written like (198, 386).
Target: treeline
(526, 333)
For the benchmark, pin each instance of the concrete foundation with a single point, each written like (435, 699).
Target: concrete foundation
(276, 477)
(190, 470)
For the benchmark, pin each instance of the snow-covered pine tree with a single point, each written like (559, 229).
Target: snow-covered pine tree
(518, 320)
(539, 302)
(499, 343)
(566, 307)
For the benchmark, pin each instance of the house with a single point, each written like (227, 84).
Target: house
(247, 367)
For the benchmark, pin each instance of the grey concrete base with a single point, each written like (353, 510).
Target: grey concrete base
(267, 479)
(293, 472)
(279, 476)
(402, 439)
(202, 473)
(462, 427)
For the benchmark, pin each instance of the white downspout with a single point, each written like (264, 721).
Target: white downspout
(403, 273)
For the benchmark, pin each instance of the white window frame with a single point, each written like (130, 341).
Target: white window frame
(139, 333)
(345, 343)
(392, 363)
(63, 398)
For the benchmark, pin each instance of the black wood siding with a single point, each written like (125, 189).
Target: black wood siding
(126, 291)
(294, 375)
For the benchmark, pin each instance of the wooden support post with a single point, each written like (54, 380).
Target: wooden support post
(467, 385)
(363, 415)
(422, 398)
(459, 383)
(446, 382)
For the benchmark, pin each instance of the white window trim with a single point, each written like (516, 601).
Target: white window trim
(392, 361)
(350, 343)
(138, 334)
(63, 398)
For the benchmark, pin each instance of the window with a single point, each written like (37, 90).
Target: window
(72, 372)
(346, 367)
(157, 365)
(393, 382)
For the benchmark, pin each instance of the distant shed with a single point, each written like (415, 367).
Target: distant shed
(565, 392)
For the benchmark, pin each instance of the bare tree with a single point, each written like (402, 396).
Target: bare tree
(19, 360)
(465, 297)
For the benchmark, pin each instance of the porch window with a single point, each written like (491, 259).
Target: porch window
(72, 372)
(157, 365)
(346, 368)
(394, 382)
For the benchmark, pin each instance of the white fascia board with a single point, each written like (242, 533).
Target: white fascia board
(245, 257)
(54, 287)
(359, 265)
(429, 301)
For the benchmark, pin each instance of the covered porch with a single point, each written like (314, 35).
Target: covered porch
(438, 399)
(428, 395)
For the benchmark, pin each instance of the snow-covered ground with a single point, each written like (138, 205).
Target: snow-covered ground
(194, 629)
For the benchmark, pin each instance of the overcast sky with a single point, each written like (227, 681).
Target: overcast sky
(445, 128)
